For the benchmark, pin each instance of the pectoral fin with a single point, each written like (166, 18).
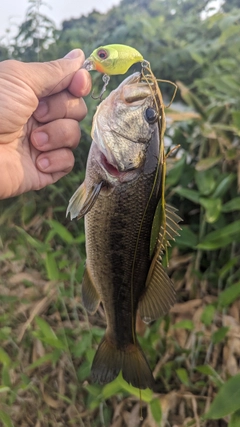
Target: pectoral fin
(82, 200)
(90, 294)
(159, 295)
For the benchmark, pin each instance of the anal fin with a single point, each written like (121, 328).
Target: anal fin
(90, 296)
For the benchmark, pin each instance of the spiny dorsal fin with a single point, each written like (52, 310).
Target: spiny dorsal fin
(169, 230)
(83, 200)
(165, 227)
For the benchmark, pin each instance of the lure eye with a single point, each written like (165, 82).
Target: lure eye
(151, 115)
(102, 54)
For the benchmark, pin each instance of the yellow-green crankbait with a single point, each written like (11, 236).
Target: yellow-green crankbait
(112, 59)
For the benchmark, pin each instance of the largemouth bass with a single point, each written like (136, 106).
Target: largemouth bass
(120, 199)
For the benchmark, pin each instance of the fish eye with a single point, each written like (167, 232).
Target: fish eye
(102, 54)
(151, 115)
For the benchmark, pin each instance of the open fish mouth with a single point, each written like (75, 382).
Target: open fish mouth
(110, 168)
(119, 149)
(112, 171)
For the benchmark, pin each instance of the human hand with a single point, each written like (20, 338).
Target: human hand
(40, 107)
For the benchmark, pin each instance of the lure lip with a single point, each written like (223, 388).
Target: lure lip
(89, 64)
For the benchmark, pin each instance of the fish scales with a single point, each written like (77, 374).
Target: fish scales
(120, 199)
(113, 272)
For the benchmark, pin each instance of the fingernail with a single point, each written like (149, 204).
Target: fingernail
(75, 53)
(43, 163)
(42, 109)
(40, 138)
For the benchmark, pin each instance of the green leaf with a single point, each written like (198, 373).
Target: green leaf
(221, 237)
(235, 419)
(6, 380)
(175, 173)
(207, 163)
(94, 389)
(111, 389)
(61, 231)
(183, 375)
(184, 324)
(227, 400)
(232, 205)
(229, 295)
(49, 336)
(4, 389)
(156, 410)
(206, 181)
(36, 244)
(236, 118)
(49, 357)
(4, 358)
(146, 394)
(192, 195)
(224, 185)
(212, 207)
(51, 266)
(219, 335)
(228, 266)
(4, 417)
(208, 314)
(84, 371)
(187, 238)
(198, 58)
(208, 370)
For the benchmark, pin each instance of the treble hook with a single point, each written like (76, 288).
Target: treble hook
(106, 79)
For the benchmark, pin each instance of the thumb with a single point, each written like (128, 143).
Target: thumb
(51, 77)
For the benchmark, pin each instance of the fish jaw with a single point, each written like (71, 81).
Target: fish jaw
(109, 169)
(120, 129)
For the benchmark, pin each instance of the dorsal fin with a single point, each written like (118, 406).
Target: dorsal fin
(159, 294)
(169, 230)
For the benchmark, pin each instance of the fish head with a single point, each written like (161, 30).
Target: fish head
(123, 128)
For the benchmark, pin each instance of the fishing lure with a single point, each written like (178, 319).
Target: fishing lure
(112, 59)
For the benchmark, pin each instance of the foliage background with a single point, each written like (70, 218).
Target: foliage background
(47, 341)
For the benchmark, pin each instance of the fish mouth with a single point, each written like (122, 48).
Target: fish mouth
(112, 171)
(110, 168)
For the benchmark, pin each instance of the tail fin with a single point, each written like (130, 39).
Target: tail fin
(109, 361)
